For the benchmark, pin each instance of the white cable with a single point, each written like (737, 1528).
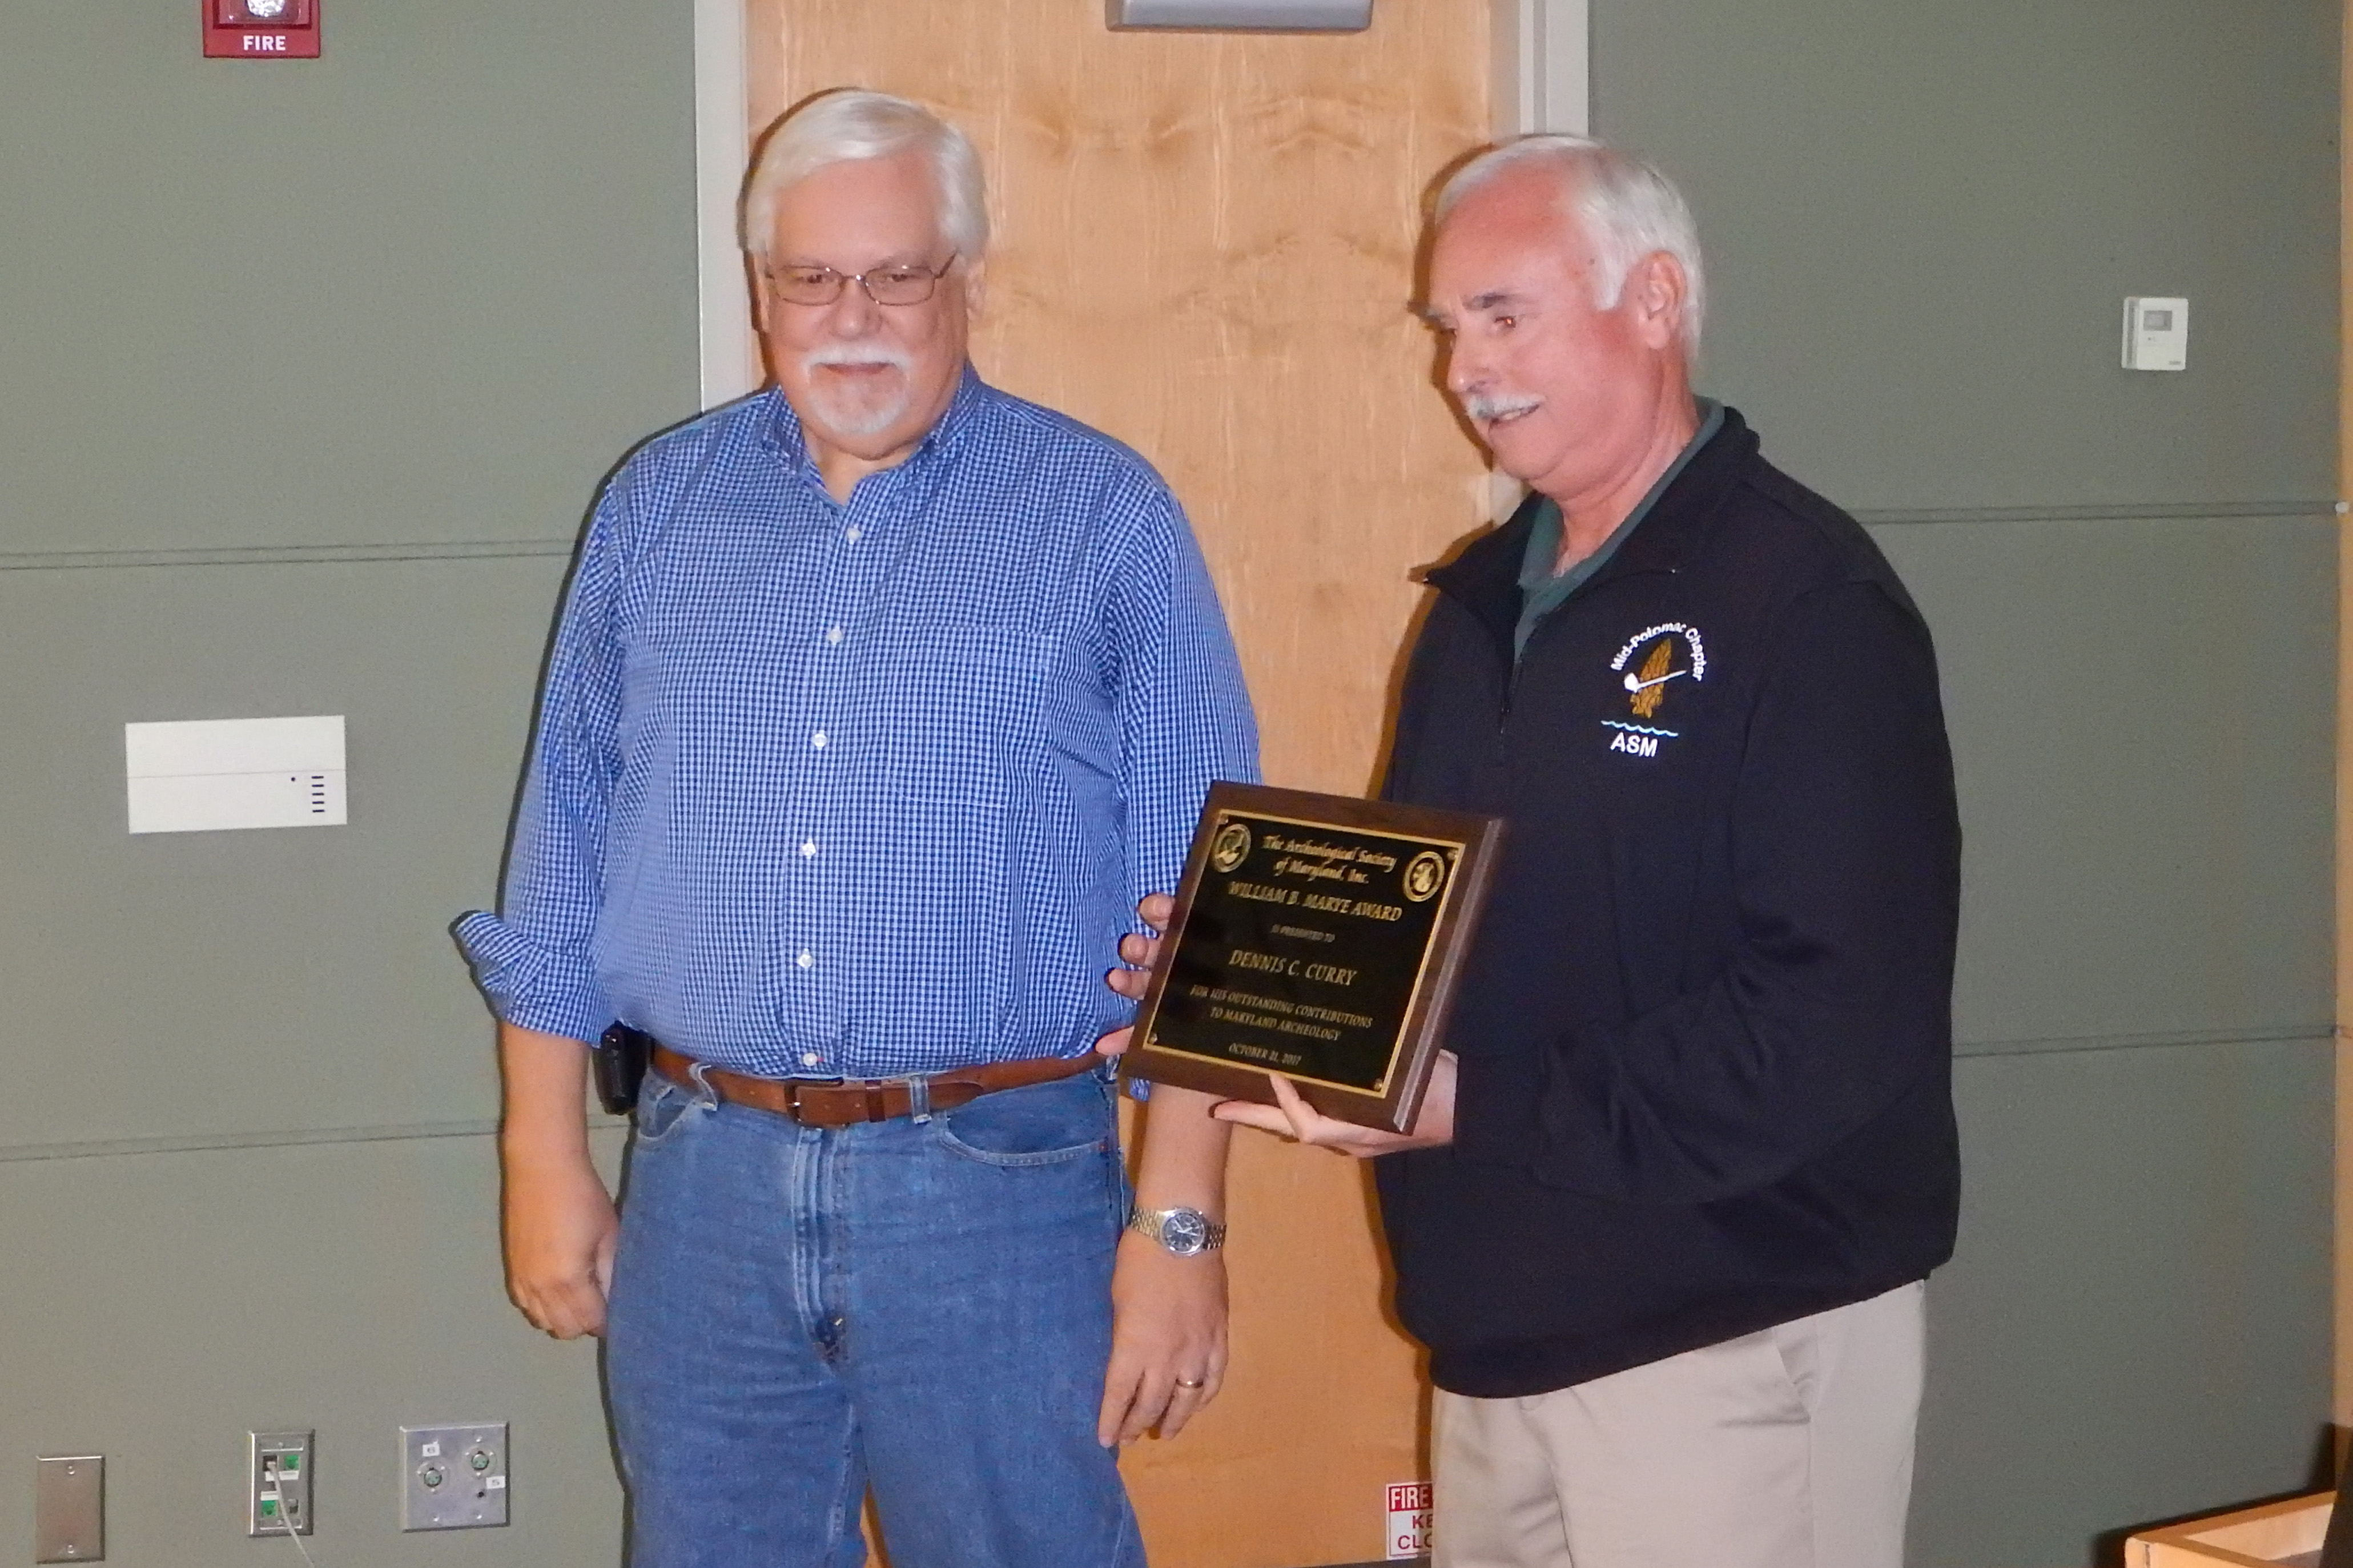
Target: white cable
(294, 1534)
(294, 1526)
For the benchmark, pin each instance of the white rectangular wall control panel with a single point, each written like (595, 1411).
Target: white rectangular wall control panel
(2157, 333)
(203, 775)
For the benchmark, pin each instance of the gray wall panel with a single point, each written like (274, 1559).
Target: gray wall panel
(158, 1308)
(2140, 721)
(2136, 1323)
(1922, 221)
(422, 288)
(177, 974)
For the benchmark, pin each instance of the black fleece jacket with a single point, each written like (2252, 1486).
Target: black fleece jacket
(1705, 1034)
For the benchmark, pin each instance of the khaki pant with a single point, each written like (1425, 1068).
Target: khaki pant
(1790, 1447)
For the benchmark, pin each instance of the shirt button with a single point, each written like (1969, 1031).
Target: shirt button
(806, 960)
(853, 534)
(817, 740)
(809, 1058)
(834, 635)
(809, 850)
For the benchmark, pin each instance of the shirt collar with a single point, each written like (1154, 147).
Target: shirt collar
(1483, 576)
(1544, 536)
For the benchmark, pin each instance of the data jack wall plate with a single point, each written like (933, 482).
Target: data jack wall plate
(453, 1478)
(278, 1483)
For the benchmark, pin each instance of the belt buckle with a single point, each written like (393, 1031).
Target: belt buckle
(806, 1113)
(872, 1102)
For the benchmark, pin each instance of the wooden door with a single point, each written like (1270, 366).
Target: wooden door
(1205, 247)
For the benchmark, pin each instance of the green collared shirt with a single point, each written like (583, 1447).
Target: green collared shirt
(1543, 590)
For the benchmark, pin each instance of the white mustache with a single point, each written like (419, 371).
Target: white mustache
(1487, 409)
(859, 353)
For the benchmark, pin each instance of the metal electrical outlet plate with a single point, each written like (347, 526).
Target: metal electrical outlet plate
(278, 1483)
(69, 1508)
(453, 1478)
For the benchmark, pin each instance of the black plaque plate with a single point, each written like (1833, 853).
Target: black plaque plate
(1317, 936)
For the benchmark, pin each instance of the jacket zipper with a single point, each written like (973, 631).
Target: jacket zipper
(1519, 659)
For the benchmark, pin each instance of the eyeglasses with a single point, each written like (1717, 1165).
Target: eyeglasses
(899, 285)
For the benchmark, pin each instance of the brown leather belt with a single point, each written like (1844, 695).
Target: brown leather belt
(832, 1102)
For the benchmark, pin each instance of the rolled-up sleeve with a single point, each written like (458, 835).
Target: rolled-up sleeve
(535, 959)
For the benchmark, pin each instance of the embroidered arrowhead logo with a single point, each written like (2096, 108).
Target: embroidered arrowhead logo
(1647, 684)
(1648, 687)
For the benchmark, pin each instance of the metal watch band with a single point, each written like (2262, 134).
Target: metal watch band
(1187, 1232)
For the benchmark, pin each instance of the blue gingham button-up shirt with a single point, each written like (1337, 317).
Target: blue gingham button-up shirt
(864, 789)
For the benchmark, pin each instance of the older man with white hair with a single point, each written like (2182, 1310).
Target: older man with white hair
(878, 699)
(1665, 1216)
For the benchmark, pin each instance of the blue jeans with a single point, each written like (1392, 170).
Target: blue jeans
(924, 1308)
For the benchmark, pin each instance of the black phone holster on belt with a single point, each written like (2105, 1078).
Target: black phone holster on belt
(620, 1063)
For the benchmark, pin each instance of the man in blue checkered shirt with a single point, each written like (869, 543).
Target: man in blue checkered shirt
(877, 700)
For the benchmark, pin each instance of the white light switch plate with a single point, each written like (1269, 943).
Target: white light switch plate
(204, 776)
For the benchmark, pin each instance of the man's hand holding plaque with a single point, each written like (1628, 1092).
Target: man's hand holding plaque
(1310, 957)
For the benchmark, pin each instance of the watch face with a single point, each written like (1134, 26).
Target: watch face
(1184, 1231)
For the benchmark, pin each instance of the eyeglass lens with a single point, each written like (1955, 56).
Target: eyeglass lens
(884, 285)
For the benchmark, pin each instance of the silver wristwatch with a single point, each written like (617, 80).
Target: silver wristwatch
(1188, 1233)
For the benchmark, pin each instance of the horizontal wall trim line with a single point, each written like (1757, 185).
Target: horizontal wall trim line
(286, 1138)
(286, 555)
(514, 548)
(294, 1137)
(2145, 511)
(2280, 1033)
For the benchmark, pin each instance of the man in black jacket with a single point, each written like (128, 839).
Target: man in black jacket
(1666, 1217)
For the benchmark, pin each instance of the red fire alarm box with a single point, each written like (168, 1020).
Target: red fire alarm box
(261, 29)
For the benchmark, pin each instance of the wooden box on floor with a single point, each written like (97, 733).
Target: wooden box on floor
(2277, 1532)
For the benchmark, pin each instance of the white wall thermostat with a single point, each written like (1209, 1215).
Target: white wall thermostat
(2157, 333)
